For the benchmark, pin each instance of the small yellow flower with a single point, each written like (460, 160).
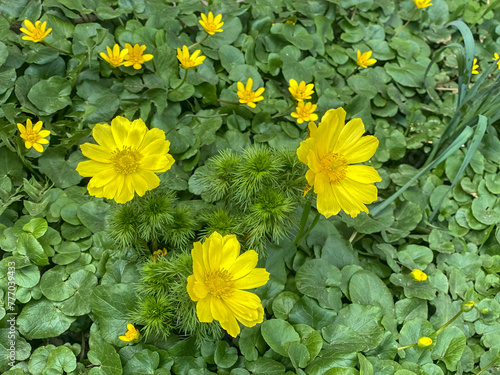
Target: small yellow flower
(219, 276)
(115, 57)
(418, 275)
(36, 32)
(131, 335)
(496, 57)
(424, 342)
(210, 24)
(135, 57)
(301, 91)
(305, 112)
(247, 96)
(189, 61)
(33, 136)
(475, 66)
(364, 59)
(158, 253)
(422, 3)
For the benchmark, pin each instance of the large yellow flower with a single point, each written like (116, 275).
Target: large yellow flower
(126, 159)
(33, 136)
(210, 24)
(219, 275)
(328, 152)
(36, 33)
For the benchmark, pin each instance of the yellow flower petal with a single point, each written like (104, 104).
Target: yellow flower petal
(362, 150)
(363, 173)
(244, 264)
(96, 152)
(255, 278)
(203, 311)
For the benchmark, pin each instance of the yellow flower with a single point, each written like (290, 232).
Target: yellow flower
(158, 253)
(210, 24)
(114, 57)
(125, 160)
(424, 342)
(36, 32)
(422, 3)
(189, 61)
(135, 57)
(301, 91)
(418, 275)
(131, 335)
(219, 275)
(305, 112)
(247, 96)
(33, 136)
(329, 150)
(364, 59)
(496, 57)
(475, 66)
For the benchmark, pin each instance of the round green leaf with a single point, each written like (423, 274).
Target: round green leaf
(54, 322)
(51, 95)
(279, 334)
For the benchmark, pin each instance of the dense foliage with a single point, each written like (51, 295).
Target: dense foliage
(344, 295)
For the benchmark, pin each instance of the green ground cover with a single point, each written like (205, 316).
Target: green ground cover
(105, 280)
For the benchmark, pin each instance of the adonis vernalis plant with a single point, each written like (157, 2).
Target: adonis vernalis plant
(331, 153)
(125, 160)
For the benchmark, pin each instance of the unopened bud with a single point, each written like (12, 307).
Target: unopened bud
(424, 342)
(418, 275)
(467, 306)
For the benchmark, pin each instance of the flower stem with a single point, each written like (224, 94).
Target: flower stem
(303, 221)
(488, 366)
(350, 74)
(182, 82)
(201, 41)
(57, 48)
(448, 323)
(407, 22)
(227, 102)
(407, 346)
(283, 112)
(353, 236)
(315, 221)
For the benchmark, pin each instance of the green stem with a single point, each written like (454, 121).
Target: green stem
(225, 101)
(488, 366)
(57, 48)
(303, 221)
(407, 22)
(350, 74)
(448, 323)
(283, 112)
(201, 41)
(407, 346)
(182, 82)
(353, 235)
(315, 221)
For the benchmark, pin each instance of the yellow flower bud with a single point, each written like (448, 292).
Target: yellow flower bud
(467, 306)
(418, 275)
(424, 342)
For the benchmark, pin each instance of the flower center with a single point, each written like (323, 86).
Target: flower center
(125, 161)
(31, 136)
(220, 283)
(135, 57)
(211, 27)
(248, 96)
(334, 166)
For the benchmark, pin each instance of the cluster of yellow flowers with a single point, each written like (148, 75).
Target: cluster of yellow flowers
(129, 56)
